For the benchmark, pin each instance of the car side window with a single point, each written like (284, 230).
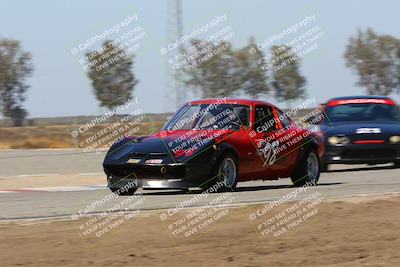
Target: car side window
(264, 119)
(242, 115)
(284, 119)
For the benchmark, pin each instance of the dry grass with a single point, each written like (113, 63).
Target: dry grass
(31, 137)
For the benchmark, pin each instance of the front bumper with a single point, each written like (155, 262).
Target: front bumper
(156, 176)
(361, 154)
(150, 183)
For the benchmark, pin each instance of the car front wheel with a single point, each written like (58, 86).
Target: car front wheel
(225, 174)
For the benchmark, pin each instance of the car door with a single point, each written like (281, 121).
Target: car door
(263, 134)
(290, 140)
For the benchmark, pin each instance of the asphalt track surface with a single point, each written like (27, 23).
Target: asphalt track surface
(341, 181)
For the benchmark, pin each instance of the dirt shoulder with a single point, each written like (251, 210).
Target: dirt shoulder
(347, 233)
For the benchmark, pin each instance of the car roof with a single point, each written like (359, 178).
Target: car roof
(238, 101)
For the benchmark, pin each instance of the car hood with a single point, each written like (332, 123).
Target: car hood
(171, 146)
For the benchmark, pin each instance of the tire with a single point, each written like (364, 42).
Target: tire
(128, 192)
(397, 164)
(308, 171)
(226, 171)
(324, 167)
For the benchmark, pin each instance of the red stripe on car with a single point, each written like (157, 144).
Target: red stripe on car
(363, 142)
(361, 101)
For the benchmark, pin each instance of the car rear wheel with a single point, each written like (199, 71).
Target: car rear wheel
(126, 192)
(308, 171)
(225, 174)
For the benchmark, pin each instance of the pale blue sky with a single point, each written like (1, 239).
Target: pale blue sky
(59, 87)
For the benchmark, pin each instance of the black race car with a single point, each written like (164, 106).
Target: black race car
(361, 130)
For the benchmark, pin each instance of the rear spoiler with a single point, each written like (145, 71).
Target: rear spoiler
(361, 101)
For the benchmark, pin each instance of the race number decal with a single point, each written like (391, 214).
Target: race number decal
(268, 151)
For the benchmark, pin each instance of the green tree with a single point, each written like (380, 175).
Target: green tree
(288, 83)
(216, 70)
(15, 68)
(111, 72)
(376, 61)
(254, 78)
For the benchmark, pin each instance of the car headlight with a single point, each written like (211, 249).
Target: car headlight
(395, 139)
(338, 140)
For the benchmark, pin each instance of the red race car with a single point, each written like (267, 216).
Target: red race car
(216, 143)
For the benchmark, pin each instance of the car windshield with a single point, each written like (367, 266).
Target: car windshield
(363, 112)
(209, 116)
